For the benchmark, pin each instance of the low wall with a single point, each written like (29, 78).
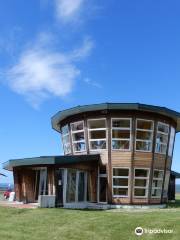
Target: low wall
(46, 201)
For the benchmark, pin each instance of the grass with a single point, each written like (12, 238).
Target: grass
(62, 224)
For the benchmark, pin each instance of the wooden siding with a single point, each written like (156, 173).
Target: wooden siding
(159, 161)
(121, 200)
(24, 180)
(121, 159)
(17, 184)
(169, 161)
(155, 200)
(142, 159)
(140, 200)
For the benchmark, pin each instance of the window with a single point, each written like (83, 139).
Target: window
(171, 142)
(120, 182)
(162, 137)
(78, 139)
(144, 135)
(157, 183)
(121, 134)
(97, 134)
(66, 139)
(141, 182)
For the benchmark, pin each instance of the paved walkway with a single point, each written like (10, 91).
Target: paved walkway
(18, 205)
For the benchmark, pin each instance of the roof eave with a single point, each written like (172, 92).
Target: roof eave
(61, 115)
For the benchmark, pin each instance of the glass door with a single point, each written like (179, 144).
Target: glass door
(76, 187)
(71, 186)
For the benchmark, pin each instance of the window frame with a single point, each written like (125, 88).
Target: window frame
(144, 130)
(166, 134)
(121, 177)
(62, 139)
(158, 179)
(78, 131)
(138, 187)
(97, 129)
(121, 139)
(171, 141)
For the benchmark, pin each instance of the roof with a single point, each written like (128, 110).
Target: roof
(175, 174)
(49, 160)
(61, 115)
(1, 174)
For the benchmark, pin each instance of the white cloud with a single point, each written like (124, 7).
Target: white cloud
(42, 72)
(92, 83)
(84, 50)
(68, 10)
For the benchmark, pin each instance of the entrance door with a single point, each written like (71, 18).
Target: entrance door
(76, 188)
(59, 187)
(102, 189)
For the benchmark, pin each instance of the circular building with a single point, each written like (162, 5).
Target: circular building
(135, 143)
(114, 153)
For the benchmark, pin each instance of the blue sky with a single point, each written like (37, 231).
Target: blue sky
(56, 54)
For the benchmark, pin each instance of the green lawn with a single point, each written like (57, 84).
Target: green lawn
(62, 224)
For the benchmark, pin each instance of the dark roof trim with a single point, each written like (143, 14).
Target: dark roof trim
(49, 160)
(61, 115)
(1, 174)
(175, 174)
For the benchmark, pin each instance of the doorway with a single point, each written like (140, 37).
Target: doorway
(59, 173)
(76, 187)
(71, 186)
(102, 186)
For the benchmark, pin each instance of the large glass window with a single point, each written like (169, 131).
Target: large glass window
(171, 142)
(144, 135)
(162, 137)
(157, 183)
(121, 134)
(141, 182)
(78, 139)
(66, 139)
(97, 134)
(120, 182)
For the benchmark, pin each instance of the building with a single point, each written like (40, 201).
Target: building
(114, 153)
(172, 185)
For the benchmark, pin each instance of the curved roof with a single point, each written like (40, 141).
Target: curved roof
(61, 115)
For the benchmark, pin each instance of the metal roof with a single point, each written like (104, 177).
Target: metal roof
(61, 115)
(49, 160)
(176, 174)
(1, 174)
